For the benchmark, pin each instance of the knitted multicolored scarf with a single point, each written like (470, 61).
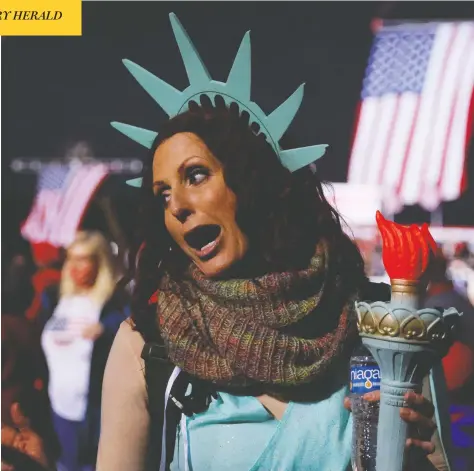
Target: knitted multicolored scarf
(238, 332)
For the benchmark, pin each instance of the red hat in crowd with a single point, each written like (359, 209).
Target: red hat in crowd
(45, 253)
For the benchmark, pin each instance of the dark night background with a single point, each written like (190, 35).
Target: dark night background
(56, 90)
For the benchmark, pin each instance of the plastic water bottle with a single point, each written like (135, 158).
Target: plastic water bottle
(365, 377)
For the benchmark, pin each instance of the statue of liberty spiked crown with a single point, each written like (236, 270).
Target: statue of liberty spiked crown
(235, 90)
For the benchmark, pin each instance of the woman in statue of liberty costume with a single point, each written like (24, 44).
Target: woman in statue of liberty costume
(248, 281)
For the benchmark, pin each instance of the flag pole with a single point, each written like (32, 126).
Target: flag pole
(436, 216)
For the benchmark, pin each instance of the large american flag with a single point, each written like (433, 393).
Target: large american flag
(62, 197)
(414, 121)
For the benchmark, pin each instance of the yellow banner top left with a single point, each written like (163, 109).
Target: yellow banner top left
(40, 18)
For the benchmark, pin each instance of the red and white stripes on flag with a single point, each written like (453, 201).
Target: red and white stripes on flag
(415, 116)
(62, 198)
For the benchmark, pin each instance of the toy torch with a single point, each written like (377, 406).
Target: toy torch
(405, 340)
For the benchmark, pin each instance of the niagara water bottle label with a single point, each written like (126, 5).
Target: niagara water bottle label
(365, 379)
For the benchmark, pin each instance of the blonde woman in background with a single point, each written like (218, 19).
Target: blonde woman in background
(79, 322)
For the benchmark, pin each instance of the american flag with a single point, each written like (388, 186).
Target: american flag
(62, 197)
(414, 118)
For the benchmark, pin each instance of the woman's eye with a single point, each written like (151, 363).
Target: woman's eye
(197, 175)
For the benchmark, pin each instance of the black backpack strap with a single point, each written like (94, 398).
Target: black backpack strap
(158, 373)
(168, 399)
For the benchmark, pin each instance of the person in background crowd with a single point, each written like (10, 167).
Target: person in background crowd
(28, 438)
(458, 364)
(23, 364)
(79, 323)
(461, 270)
(47, 260)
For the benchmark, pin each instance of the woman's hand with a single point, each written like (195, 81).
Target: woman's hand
(418, 414)
(93, 331)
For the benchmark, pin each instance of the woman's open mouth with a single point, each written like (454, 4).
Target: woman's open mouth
(204, 240)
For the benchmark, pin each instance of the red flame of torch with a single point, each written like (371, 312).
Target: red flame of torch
(406, 249)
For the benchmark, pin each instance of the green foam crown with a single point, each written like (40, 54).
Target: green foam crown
(235, 90)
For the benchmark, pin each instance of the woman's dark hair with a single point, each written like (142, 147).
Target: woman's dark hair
(283, 214)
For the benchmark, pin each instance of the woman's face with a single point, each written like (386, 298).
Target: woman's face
(82, 266)
(199, 208)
